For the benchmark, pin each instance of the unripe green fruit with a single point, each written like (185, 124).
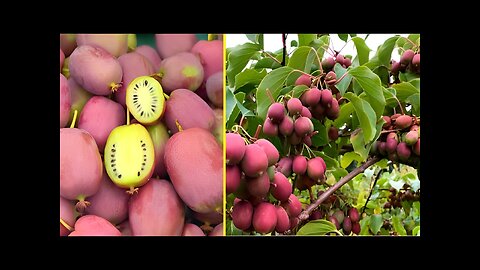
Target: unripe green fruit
(411, 137)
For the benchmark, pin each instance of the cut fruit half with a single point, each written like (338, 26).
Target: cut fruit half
(145, 99)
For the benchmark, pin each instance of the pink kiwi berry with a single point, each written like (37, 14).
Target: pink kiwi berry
(293, 206)
(171, 44)
(303, 126)
(255, 161)
(68, 43)
(133, 65)
(403, 121)
(189, 110)
(354, 215)
(211, 56)
(233, 176)
(300, 165)
(91, 225)
(334, 110)
(294, 106)
(312, 96)
(315, 169)
(210, 218)
(110, 202)
(407, 57)
(328, 63)
(269, 128)
(62, 58)
(307, 140)
(286, 126)
(235, 148)
(81, 166)
(356, 228)
(306, 112)
(416, 60)
(258, 186)
(67, 216)
(95, 69)
(276, 112)
(283, 221)
(333, 133)
(285, 166)
(347, 226)
(156, 210)
(304, 79)
(270, 150)
(294, 221)
(115, 44)
(65, 101)
(294, 139)
(416, 147)
(159, 134)
(326, 98)
(151, 55)
(335, 222)
(214, 87)
(403, 151)
(242, 214)
(217, 230)
(194, 162)
(99, 117)
(264, 218)
(281, 188)
(182, 70)
(190, 229)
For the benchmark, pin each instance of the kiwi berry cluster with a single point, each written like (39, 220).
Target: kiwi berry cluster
(405, 194)
(145, 155)
(409, 60)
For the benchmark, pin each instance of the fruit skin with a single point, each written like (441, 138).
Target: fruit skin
(255, 161)
(67, 214)
(312, 96)
(390, 145)
(133, 65)
(151, 55)
(294, 139)
(335, 222)
(340, 59)
(62, 58)
(217, 230)
(339, 215)
(182, 70)
(283, 221)
(333, 133)
(334, 110)
(276, 112)
(303, 126)
(235, 148)
(270, 128)
(189, 110)
(214, 87)
(79, 97)
(326, 98)
(315, 168)
(242, 214)
(347, 62)
(171, 44)
(328, 63)
(416, 60)
(354, 215)
(156, 210)
(211, 56)
(264, 218)
(194, 162)
(270, 150)
(299, 165)
(190, 229)
(211, 218)
(65, 101)
(281, 189)
(95, 69)
(285, 166)
(416, 148)
(356, 228)
(159, 135)
(128, 139)
(110, 202)
(403, 151)
(306, 113)
(407, 57)
(286, 127)
(91, 225)
(233, 176)
(115, 44)
(303, 80)
(293, 206)
(396, 67)
(81, 166)
(403, 121)
(331, 78)
(411, 137)
(294, 106)
(68, 43)
(99, 117)
(259, 186)
(317, 214)
(347, 226)
(387, 123)
(382, 148)
(294, 222)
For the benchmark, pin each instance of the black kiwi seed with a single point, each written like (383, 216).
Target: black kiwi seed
(138, 174)
(146, 82)
(119, 176)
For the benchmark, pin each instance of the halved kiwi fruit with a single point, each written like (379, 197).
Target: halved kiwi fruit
(145, 99)
(129, 156)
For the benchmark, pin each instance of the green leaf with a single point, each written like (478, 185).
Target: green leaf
(362, 50)
(365, 114)
(244, 111)
(408, 76)
(398, 226)
(249, 76)
(321, 138)
(274, 82)
(286, 90)
(342, 86)
(364, 225)
(238, 59)
(339, 172)
(404, 90)
(305, 39)
(389, 94)
(320, 44)
(416, 231)
(343, 37)
(230, 103)
(317, 227)
(384, 54)
(346, 110)
(302, 59)
(376, 222)
(384, 75)
(298, 90)
(415, 101)
(371, 84)
(416, 83)
(268, 62)
(358, 143)
(252, 37)
(347, 159)
(239, 98)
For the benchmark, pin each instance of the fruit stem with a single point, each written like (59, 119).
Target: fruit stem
(166, 96)
(74, 119)
(371, 190)
(399, 104)
(179, 127)
(257, 132)
(269, 94)
(274, 59)
(132, 190)
(65, 225)
(341, 78)
(211, 37)
(114, 86)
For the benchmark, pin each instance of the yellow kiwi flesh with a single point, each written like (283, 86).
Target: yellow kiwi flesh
(145, 99)
(129, 156)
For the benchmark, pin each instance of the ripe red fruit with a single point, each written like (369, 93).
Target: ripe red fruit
(403, 121)
(354, 215)
(233, 176)
(283, 221)
(407, 57)
(270, 150)
(303, 126)
(294, 139)
(333, 133)
(315, 169)
(334, 110)
(304, 80)
(281, 188)
(403, 151)
(312, 96)
(331, 78)
(347, 226)
(306, 113)
(293, 206)
(300, 165)
(340, 59)
(326, 98)
(285, 166)
(388, 122)
(411, 137)
(334, 220)
(391, 145)
(307, 140)
(235, 148)
(328, 63)
(317, 214)
(276, 112)
(270, 128)
(396, 67)
(255, 161)
(294, 106)
(242, 214)
(416, 60)
(356, 228)
(264, 218)
(416, 148)
(286, 126)
(259, 186)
